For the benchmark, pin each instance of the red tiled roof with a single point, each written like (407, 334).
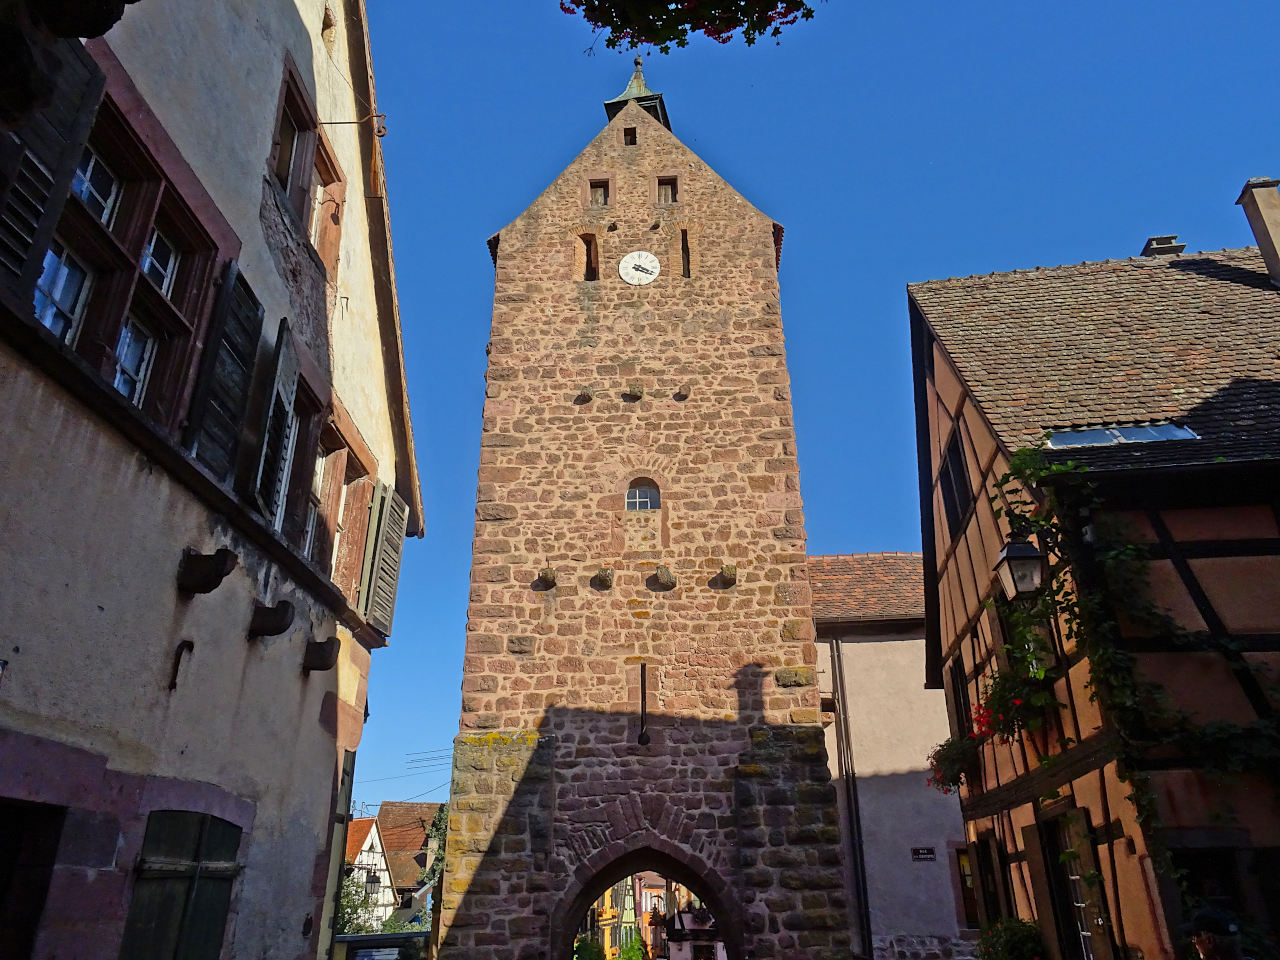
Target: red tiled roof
(357, 834)
(403, 826)
(1193, 339)
(867, 586)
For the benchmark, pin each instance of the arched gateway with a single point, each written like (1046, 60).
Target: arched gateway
(639, 683)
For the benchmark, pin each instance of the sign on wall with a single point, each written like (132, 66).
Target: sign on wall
(919, 854)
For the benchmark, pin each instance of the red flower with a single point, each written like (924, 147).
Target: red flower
(1017, 702)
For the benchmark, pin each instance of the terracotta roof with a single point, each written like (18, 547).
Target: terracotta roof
(404, 827)
(867, 586)
(357, 833)
(1192, 339)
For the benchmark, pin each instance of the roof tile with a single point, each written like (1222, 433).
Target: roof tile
(867, 586)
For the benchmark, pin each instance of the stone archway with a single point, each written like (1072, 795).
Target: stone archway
(640, 852)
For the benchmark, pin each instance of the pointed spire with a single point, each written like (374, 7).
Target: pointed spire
(639, 91)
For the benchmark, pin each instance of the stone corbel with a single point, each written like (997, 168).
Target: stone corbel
(270, 621)
(204, 572)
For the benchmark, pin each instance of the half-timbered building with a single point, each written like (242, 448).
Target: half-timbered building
(1141, 785)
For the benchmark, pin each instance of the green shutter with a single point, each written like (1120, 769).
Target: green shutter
(37, 165)
(279, 431)
(384, 543)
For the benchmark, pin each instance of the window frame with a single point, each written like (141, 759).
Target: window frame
(296, 106)
(647, 496)
(953, 483)
(86, 178)
(144, 368)
(76, 315)
(673, 183)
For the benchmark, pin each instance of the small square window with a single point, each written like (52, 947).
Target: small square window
(628, 136)
(61, 292)
(668, 189)
(134, 354)
(599, 193)
(96, 186)
(160, 262)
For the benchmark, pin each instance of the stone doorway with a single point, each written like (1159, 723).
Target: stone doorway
(647, 904)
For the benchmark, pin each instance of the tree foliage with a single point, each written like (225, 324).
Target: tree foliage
(438, 830)
(662, 23)
(355, 907)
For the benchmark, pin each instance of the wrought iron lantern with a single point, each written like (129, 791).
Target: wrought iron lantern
(372, 882)
(1021, 567)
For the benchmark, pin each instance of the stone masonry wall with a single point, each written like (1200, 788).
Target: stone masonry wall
(591, 385)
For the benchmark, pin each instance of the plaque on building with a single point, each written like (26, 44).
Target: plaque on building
(919, 854)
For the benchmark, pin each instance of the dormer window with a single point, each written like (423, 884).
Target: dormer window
(643, 495)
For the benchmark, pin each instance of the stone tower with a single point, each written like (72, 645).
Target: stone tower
(638, 687)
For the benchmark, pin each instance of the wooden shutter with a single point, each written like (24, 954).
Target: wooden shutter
(221, 397)
(37, 167)
(279, 431)
(1041, 889)
(388, 518)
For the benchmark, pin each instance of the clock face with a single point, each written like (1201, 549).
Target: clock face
(639, 267)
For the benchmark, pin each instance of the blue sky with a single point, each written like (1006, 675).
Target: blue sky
(895, 142)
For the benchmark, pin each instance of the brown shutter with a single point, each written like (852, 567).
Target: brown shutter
(1041, 889)
(221, 396)
(36, 169)
(388, 518)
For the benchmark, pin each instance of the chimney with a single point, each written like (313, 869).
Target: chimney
(1162, 246)
(1261, 202)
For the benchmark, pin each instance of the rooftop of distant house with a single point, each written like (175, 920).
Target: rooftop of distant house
(357, 833)
(867, 586)
(1188, 344)
(403, 826)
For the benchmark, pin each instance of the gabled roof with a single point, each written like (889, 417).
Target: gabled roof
(357, 833)
(1192, 339)
(867, 586)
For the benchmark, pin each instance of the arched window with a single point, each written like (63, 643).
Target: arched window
(643, 495)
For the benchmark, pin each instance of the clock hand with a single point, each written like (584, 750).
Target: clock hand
(636, 266)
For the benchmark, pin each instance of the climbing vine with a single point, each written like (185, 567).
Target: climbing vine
(1096, 585)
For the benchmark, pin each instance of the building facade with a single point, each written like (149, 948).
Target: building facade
(639, 689)
(208, 474)
(903, 842)
(369, 869)
(1133, 781)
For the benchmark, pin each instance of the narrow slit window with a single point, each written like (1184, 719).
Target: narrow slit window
(684, 253)
(590, 257)
(599, 193)
(668, 189)
(628, 136)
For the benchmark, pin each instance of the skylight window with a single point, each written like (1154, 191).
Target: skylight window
(1105, 436)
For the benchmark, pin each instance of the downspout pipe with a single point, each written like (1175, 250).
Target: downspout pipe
(844, 749)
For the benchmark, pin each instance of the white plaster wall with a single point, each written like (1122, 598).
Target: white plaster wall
(212, 73)
(894, 724)
(92, 537)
